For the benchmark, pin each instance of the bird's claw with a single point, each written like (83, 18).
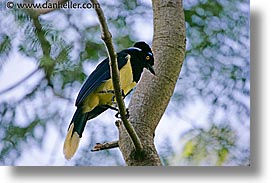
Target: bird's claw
(119, 116)
(127, 113)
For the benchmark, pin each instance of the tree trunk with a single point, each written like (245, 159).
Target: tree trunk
(154, 92)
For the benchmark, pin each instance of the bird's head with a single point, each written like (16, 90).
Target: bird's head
(147, 54)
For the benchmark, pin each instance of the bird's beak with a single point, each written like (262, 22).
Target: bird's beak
(151, 69)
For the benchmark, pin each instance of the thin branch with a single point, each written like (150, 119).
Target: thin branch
(46, 62)
(41, 33)
(107, 38)
(104, 146)
(19, 82)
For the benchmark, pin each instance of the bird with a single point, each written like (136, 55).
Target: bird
(97, 93)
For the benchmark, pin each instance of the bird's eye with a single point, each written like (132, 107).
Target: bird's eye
(147, 57)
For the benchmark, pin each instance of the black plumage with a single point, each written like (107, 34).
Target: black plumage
(96, 94)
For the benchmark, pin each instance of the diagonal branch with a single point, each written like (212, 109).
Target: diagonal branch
(107, 38)
(46, 62)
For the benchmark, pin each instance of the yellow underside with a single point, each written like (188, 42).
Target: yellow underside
(98, 98)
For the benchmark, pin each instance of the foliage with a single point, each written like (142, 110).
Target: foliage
(213, 146)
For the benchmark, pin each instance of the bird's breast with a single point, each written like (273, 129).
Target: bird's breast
(126, 78)
(104, 93)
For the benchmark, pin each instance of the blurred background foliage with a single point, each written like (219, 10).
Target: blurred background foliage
(45, 59)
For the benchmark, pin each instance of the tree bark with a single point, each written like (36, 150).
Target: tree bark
(153, 93)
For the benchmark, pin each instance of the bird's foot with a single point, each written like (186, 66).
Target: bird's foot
(127, 113)
(119, 116)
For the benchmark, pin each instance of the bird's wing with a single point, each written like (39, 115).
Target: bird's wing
(99, 76)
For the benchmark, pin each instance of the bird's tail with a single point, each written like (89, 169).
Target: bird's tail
(74, 133)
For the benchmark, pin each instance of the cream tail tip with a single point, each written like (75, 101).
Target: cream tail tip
(71, 143)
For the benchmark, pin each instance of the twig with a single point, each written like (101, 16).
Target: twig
(104, 146)
(107, 38)
(41, 33)
(46, 62)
